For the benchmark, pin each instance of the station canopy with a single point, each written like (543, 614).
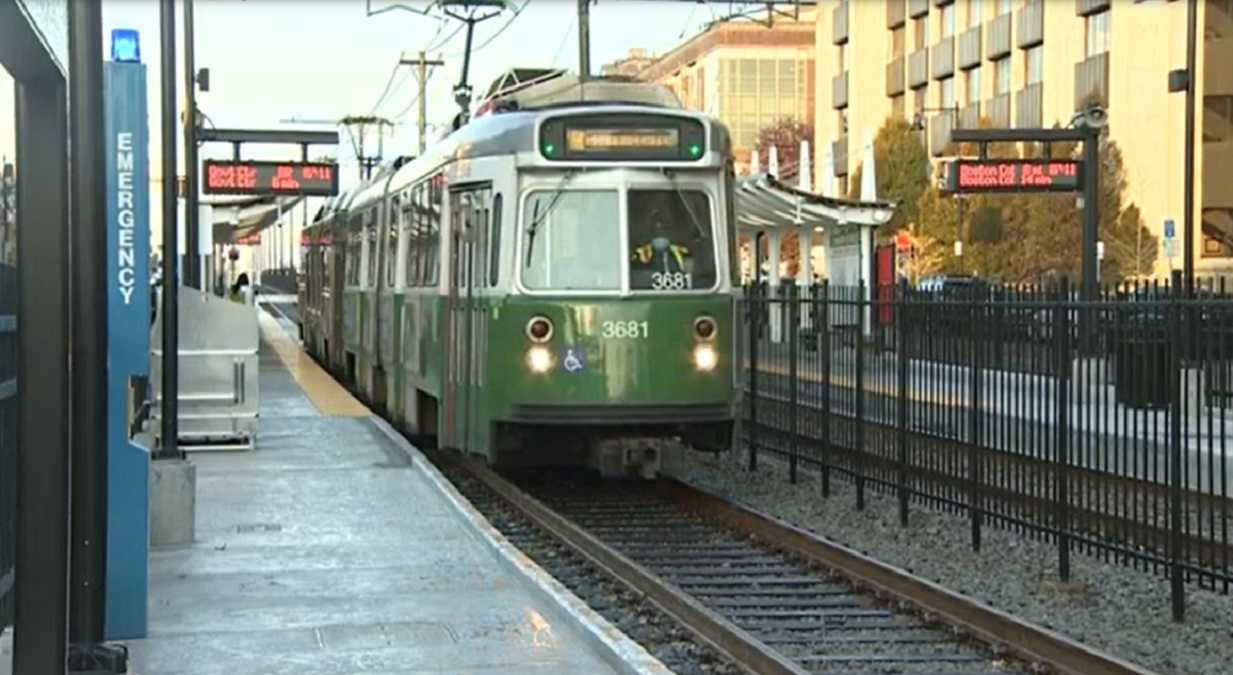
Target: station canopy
(763, 202)
(238, 218)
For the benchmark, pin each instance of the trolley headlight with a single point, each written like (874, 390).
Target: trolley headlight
(539, 359)
(539, 329)
(705, 357)
(704, 328)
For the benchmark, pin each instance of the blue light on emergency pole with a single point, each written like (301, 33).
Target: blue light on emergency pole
(125, 47)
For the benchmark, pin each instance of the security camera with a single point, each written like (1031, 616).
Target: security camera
(1095, 116)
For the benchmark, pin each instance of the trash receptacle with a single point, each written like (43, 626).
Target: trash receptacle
(1141, 364)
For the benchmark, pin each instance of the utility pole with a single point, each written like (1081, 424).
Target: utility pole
(584, 40)
(357, 127)
(423, 71)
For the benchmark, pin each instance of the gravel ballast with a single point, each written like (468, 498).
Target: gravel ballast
(1114, 608)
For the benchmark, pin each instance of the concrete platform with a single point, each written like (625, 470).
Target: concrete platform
(335, 548)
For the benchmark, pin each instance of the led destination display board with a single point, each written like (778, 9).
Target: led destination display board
(1012, 175)
(622, 137)
(254, 177)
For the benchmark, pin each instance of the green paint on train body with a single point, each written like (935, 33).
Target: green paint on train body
(608, 352)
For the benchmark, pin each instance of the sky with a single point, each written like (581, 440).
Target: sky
(277, 60)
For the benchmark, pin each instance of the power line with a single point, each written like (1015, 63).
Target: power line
(573, 21)
(494, 36)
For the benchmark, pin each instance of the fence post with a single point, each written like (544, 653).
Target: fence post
(902, 364)
(1061, 422)
(792, 297)
(824, 346)
(975, 414)
(1177, 590)
(858, 456)
(754, 316)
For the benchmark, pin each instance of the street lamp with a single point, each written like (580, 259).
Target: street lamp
(1183, 80)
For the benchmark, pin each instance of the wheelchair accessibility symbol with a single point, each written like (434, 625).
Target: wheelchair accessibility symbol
(572, 360)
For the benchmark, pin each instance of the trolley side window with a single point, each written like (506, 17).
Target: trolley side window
(494, 241)
(671, 240)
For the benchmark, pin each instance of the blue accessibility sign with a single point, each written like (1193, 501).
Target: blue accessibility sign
(1168, 228)
(572, 359)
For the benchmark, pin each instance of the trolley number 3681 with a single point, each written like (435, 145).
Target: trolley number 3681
(624, 330)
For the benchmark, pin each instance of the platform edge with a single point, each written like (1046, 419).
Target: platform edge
(617, 649)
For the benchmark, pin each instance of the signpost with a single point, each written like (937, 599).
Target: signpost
(1170, 243)
(1043, 175)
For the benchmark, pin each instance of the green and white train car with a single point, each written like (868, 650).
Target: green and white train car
(541, 287)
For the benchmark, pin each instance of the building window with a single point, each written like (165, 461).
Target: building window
(973, 86)
(843, 57)
(974, 12)
(897, 106)
(1005, 7)
(1217, 119)
(899, 42)
(920, 27)
(918, 99)
(842, 114)
(1097, 28)
(1001, 76)
(948, 21)
(947, 94)
(1034, 60)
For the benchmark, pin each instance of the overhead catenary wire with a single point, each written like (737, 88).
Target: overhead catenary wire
(573, 23)
(492, 38)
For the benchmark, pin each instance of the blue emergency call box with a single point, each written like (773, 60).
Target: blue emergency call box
(128, 326)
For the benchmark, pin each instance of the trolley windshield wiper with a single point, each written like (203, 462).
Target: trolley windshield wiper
(680, 194)
(538, 216)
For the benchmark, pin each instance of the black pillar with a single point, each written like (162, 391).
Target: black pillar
(169, 409)
(192, 255)
(1090, 231)
(40, 636)
(87, 213)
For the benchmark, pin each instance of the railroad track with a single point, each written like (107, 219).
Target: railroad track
(769, 597)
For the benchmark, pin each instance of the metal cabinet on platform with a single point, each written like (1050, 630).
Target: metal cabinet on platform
(219, 369)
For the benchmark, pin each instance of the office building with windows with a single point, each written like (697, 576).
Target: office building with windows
(1034, 63)
(747, 73)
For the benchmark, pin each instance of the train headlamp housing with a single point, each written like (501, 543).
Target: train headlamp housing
(705, 328)
(705, 358)
(539, 359)
(539, 329)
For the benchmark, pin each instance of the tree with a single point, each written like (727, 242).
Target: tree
(926, 257)
(902, 164)
(785, 135)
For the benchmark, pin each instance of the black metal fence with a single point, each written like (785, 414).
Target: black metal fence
(1100, 425)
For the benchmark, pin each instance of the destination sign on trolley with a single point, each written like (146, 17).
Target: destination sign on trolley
(256, 177)
(583, 140)
(623, 137)
(1012, 175)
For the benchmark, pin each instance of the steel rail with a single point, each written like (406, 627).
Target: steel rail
(708, 626)
(987, 624)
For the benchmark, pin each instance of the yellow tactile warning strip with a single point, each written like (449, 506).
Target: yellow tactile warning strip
(327, 396)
